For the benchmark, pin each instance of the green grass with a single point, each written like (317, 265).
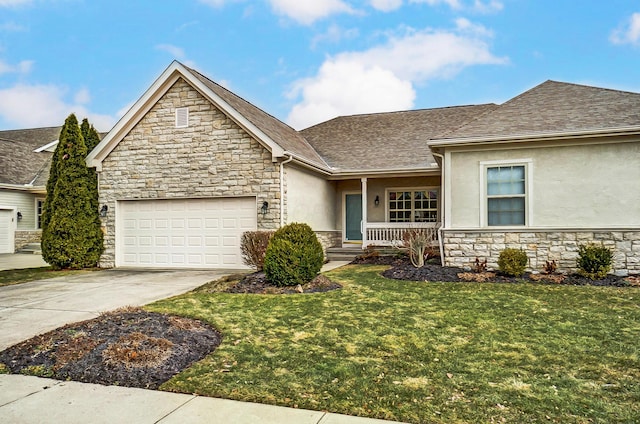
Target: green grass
(17, 276)
(425, 352)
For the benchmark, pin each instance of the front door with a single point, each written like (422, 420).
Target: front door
(353, 217)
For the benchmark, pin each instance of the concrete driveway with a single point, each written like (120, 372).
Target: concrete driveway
(33, 308)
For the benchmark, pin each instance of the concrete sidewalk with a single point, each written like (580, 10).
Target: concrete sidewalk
(20, 261)
(27, 400)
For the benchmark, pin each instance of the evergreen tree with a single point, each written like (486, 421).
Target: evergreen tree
(72, 237)
(91, 140)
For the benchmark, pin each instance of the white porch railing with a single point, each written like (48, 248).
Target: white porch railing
(391, 233)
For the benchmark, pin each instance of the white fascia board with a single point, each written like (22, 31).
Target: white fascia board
(133, 116)
(47, 146)
(519, 138)
(386, 173)
(160, 86)
(26, 188)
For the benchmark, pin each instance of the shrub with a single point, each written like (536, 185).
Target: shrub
(294, 256)
(479, 266)
(594, 261)
(253, 246)
(512, 262)
(419, 244)
(550, 267)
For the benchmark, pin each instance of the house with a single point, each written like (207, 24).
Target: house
(191, 166)
(25, 158)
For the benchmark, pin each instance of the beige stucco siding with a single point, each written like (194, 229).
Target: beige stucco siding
(24, 203)
(310, 199)
(580, 186)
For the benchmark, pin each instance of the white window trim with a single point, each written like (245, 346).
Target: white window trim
(528, 195)
(182, 112)
(412, 189)
(35, 210)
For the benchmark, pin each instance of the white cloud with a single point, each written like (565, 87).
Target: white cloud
(454, 4)
(490, 6)
(629, 33)
(334, 34)
(382, 78)
(177, 53)
(29, 106)
(82, 97)
(386, 5)
(307, 12)
(23, 67)
(9, 3)
(348, 87)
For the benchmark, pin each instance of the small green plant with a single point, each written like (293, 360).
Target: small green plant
(512, 262)
(294, 256)
(594, 260)
(253, 246)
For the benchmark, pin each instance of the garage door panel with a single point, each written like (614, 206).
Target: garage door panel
(199, 233)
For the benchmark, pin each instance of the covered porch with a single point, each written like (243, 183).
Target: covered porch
(377, 211)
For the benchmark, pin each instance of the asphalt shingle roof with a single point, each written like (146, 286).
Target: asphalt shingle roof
(387, 141)
(19, 164)
(285, 136)
(556, 107)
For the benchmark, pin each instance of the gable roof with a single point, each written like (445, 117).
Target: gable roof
(20, 163)
(286, 137)
(387, 141)
(555, 108)
(277, 137)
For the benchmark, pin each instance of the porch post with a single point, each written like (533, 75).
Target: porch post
(364, 212)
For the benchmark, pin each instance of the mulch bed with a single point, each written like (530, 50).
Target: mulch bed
(127, 347)
(402, 269)
(257, 283)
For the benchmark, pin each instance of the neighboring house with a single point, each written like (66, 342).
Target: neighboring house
(191, 166)
(25, 158)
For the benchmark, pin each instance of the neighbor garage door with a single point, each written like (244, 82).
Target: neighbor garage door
(6, 231)
(189, 233)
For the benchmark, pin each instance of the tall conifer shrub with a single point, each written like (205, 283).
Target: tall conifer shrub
(72, 237)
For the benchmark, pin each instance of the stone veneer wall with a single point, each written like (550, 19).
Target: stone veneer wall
(212, 157)
(24, 237)
(463, 247)
(329, 239)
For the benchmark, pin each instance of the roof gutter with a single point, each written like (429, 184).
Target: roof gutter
(282, 164)
(600, 132)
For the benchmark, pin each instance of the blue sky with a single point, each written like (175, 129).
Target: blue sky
(306, 61)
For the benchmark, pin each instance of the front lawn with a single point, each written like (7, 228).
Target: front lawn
(17, 276)
(425, 352)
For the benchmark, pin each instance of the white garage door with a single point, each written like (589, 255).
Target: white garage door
(189, 233)
(6, 231)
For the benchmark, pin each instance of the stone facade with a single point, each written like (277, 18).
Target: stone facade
(461, 248)
(212, 157)
(24, 237)
(329, 239)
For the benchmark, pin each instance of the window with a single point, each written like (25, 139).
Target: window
(182, 117)
(413, 205)
(39, 206)
(506, 195)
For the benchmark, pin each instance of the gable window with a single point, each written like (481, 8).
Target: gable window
(182, 117)
(506, 195)
(412, 205)
(39, 206)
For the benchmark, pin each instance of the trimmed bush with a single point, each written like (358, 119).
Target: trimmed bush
(594, 260)
(253, 246)
(294, 256)
(512, 262)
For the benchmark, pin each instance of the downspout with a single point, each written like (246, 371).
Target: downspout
(440, 244)
(285, 153)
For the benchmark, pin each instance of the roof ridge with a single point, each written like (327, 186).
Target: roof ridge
(595, 87)
(475, 118)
